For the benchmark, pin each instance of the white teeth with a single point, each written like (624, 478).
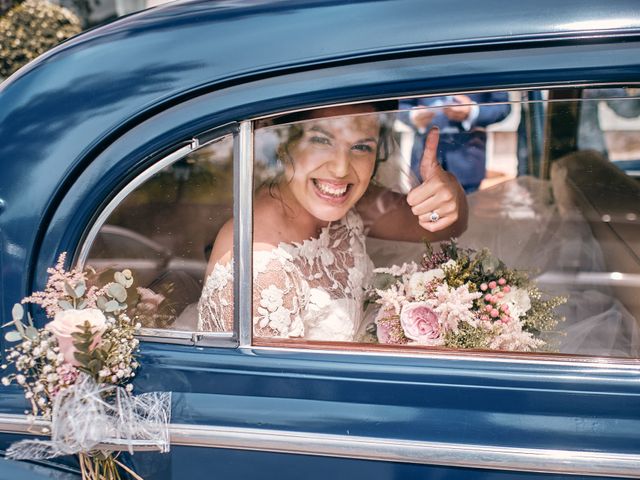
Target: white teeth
(331, 190)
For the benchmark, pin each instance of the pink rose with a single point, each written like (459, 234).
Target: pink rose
(420, 324)
(67, 322)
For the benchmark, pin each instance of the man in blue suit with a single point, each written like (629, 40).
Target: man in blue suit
(461, 120)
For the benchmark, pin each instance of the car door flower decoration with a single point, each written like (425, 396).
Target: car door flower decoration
(461, 298)
(76, 373)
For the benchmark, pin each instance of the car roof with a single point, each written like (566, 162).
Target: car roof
(121, 73)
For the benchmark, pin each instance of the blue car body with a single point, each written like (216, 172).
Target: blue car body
(85, 118)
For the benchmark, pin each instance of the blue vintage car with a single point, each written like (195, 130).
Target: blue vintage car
(135, 142)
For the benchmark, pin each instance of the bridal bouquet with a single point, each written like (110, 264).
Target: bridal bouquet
(76, 373)
(461, 298)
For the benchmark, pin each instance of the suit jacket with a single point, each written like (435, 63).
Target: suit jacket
(461, 151)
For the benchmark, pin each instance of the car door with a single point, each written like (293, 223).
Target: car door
(283, 408)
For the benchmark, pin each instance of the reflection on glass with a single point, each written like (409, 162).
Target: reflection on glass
(163, 231)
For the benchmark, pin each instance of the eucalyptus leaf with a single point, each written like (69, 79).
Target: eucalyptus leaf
(83, 358)
(13, 336)
(118, 292)
(81, 304)
(95, 365)
(65, 305)
(128, 283)
(111, 306)
(120, 278)
(382, 281)
(80, 289)
(101, 303)
(31, 332)
(70, 290)
(19, 326)
(127, 273)
(17, 312)
(30, 319)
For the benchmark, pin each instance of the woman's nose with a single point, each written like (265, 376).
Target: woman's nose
(340, 164)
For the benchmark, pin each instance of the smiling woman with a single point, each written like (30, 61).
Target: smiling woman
(313, 207)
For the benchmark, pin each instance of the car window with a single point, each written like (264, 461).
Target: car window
(549, 259)
(163, 231)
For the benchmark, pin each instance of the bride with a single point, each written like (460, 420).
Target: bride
(311, 267)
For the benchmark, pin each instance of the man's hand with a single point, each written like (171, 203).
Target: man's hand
(422, 117)
(459, 111)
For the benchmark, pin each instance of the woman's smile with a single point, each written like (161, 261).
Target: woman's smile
(334, 192)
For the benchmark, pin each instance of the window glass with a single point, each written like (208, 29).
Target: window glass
(513, 228)
(164, 230)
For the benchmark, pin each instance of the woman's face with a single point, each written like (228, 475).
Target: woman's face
(330, 166)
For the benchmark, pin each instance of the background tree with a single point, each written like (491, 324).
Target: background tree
(29, 28)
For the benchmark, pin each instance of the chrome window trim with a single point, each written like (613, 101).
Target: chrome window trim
(122, 194)
(183, 337)
(243, 235)
(491, 457)
(602, 363)
(454, 92)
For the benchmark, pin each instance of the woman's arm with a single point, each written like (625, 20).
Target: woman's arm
(410, 219)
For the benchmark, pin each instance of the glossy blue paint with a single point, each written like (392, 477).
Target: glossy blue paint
(85, 118)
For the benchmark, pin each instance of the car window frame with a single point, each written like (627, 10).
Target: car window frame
(169, 157)
(242, 334)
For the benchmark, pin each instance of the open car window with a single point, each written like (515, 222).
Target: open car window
(549, 261)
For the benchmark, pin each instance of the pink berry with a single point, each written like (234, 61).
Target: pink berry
(487, 297)
(502, 281)
(494, 313)
(483, 287)
(484, 318)
(506, 289)
(500, 295)
(492, 285)
(504, 307)
(488, 308)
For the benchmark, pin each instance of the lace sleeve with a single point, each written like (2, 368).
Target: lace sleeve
(215, 308)
(279, 294)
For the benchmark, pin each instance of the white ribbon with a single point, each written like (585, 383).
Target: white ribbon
(88, 414)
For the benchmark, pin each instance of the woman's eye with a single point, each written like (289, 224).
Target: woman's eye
(320, 140)
(362, 148)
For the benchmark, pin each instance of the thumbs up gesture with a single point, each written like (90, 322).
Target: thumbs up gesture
(438, 201)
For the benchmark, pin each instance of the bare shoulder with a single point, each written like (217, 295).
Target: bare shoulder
(222, 251)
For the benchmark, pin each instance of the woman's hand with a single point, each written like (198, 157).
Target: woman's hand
(439, 202)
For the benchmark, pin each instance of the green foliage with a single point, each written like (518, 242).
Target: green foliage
(30, 28)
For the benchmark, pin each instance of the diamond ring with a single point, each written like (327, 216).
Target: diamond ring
(434, 217)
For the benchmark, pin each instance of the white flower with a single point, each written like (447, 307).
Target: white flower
(5, 381)
(129, 387)
(518, 301)
(449, 264)
(28, 395)
(52, 377)
(271, 298)
(453, 305)
(419, 281)
(318, 299)
(47, 368)
(398, 270)
(104, 372)
(20, 379)
(280, 320)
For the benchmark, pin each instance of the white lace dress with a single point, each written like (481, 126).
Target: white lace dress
(312, 290)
